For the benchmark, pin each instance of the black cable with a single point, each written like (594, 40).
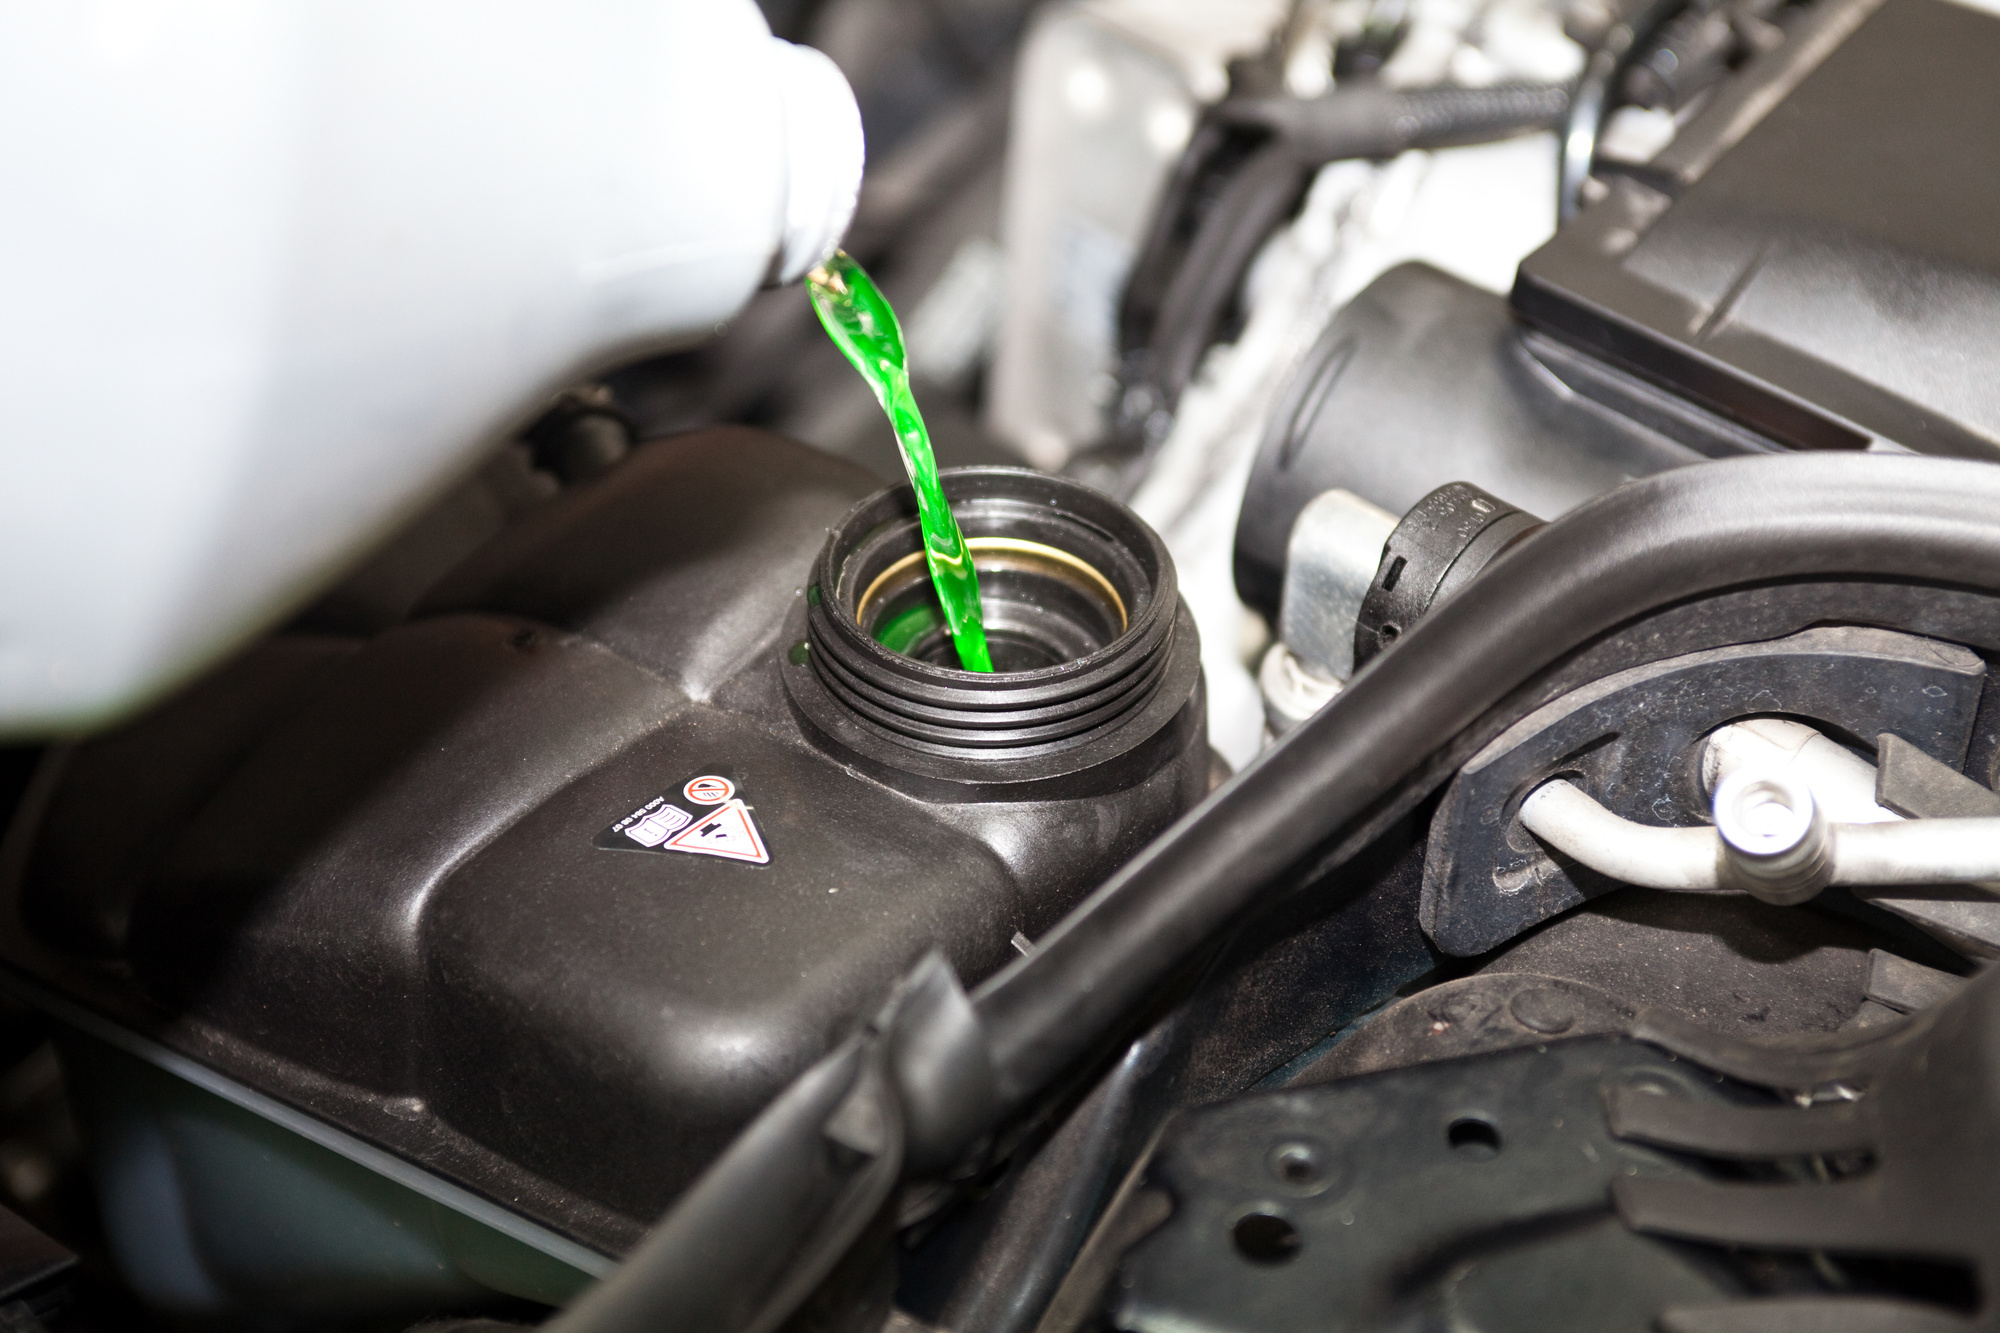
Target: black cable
(1246, 171)
(1591, 105)
(1255, 203)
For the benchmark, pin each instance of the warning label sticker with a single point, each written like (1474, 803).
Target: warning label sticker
(709, 790)
(725, 829)
(728, 831)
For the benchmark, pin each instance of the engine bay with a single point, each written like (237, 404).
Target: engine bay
(1485, 815)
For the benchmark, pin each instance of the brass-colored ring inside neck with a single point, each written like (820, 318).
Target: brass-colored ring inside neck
(1001, 546)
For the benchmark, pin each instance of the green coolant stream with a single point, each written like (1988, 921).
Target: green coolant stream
(858, 319)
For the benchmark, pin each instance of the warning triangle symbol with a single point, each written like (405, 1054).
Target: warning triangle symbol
(728, 831)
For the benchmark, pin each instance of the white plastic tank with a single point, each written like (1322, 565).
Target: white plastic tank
(277, 271)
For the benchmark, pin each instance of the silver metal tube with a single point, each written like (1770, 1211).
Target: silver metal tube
(1684, 859)
(1917, 851)
(1842, 782)
(1913, 851)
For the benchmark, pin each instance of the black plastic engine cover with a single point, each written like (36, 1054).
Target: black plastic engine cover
(386, 880)
(1814, 254)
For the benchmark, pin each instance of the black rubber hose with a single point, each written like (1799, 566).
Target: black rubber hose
(1593, 101)
(1302, 136)
(1379, 123)
(1254, 204)
(1213, 151)
(1683, 534)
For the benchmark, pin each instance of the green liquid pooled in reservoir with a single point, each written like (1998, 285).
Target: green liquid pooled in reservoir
(858, 319)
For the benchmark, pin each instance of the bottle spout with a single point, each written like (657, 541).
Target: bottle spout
(824, 155)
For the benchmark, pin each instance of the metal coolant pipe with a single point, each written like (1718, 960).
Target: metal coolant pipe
(1770, 838)
(1685, 859)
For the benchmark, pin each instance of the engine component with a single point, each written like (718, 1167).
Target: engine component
(1726, 962)
(1466, 1191)
(1440, 546)
(219, 1203)
(1680, 329)
(1913, 784)
(1355, 579)
(1244, 172)
(1897, 1123)
(1770, 839)
(1048, 1207)
(1330, 566)
(1502, 1010)
(1622, 42)
(1098, 659)
(1423, 380)
(1693, 51)
(1114, 168)
(1291, 691)
(559, 854)
(1330, 562)
(1630, 739)
(1909, 783)
(1458, 1193)
(1797, 268)
(1777, 843)
(1106, 98)
(1696, 559)
(1842, 782)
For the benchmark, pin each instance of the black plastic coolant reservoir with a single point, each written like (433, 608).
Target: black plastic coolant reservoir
(548, 888)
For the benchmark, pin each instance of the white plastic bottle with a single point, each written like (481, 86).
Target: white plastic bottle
(272, 272)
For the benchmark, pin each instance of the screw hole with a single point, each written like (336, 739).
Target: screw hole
(1389, 633)
(1265, 1239)
(1474, 1137)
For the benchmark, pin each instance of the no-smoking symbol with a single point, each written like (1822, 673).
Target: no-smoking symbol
(709, 790)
